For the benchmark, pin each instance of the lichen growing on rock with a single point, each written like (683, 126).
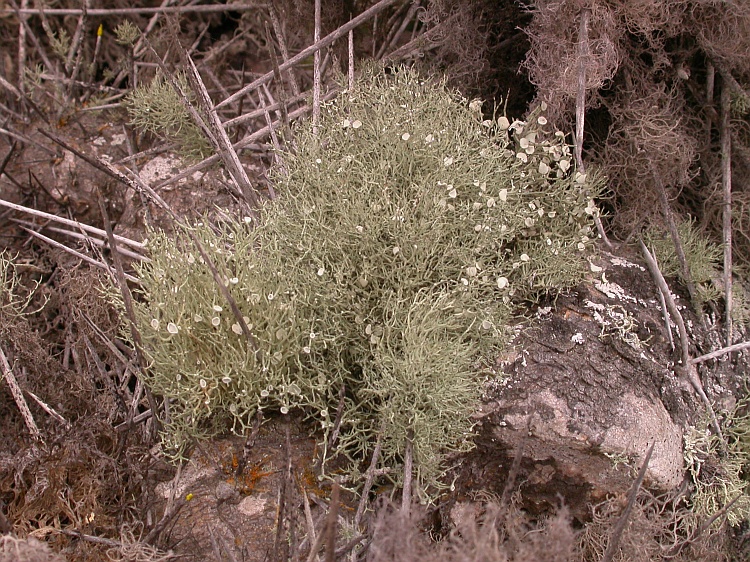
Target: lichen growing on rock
(403, 234)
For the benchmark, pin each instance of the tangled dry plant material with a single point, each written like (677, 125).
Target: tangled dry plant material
(654, 69)
(484, 532)
(388, 268)
(554, 59)
(13, 549)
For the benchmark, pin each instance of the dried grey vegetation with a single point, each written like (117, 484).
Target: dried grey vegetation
(13, 549)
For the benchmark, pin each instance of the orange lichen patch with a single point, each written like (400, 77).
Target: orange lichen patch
(245, 482)
(309, 481)
(250, 477)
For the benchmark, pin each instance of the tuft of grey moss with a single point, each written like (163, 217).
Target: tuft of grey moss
(404, 234)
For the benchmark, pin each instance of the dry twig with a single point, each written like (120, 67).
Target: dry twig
(726, 184)
(316, 72)
(688, 367)
(408, 465)
(369, 476)
(185, 9)
(74, 224)
(620, 526)
(72, 252)
(720, 352)
(15, 390)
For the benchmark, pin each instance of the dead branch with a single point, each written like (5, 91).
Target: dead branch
(72, 252)
(710, 83)
(676, 240)
(350, 49)
(127, 298)
(397, 31)
(79, 236)
(333, 517)
(583, 62)
(369, 476)
(688, 369)
(250, 115)
(408, 465)
(280, 550)
(211, 124)
(75, 224)
(316, 71)
(282, 104)
(246, 141)
(135, 181)
(583, 55)
(49, 409)
(279, 32)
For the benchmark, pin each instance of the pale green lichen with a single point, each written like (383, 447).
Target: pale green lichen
(403, 235)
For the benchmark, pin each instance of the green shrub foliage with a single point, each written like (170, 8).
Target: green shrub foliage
(405, 232)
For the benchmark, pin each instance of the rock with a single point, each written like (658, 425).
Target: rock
(587, 387)
(225, 492)
(252, 506)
